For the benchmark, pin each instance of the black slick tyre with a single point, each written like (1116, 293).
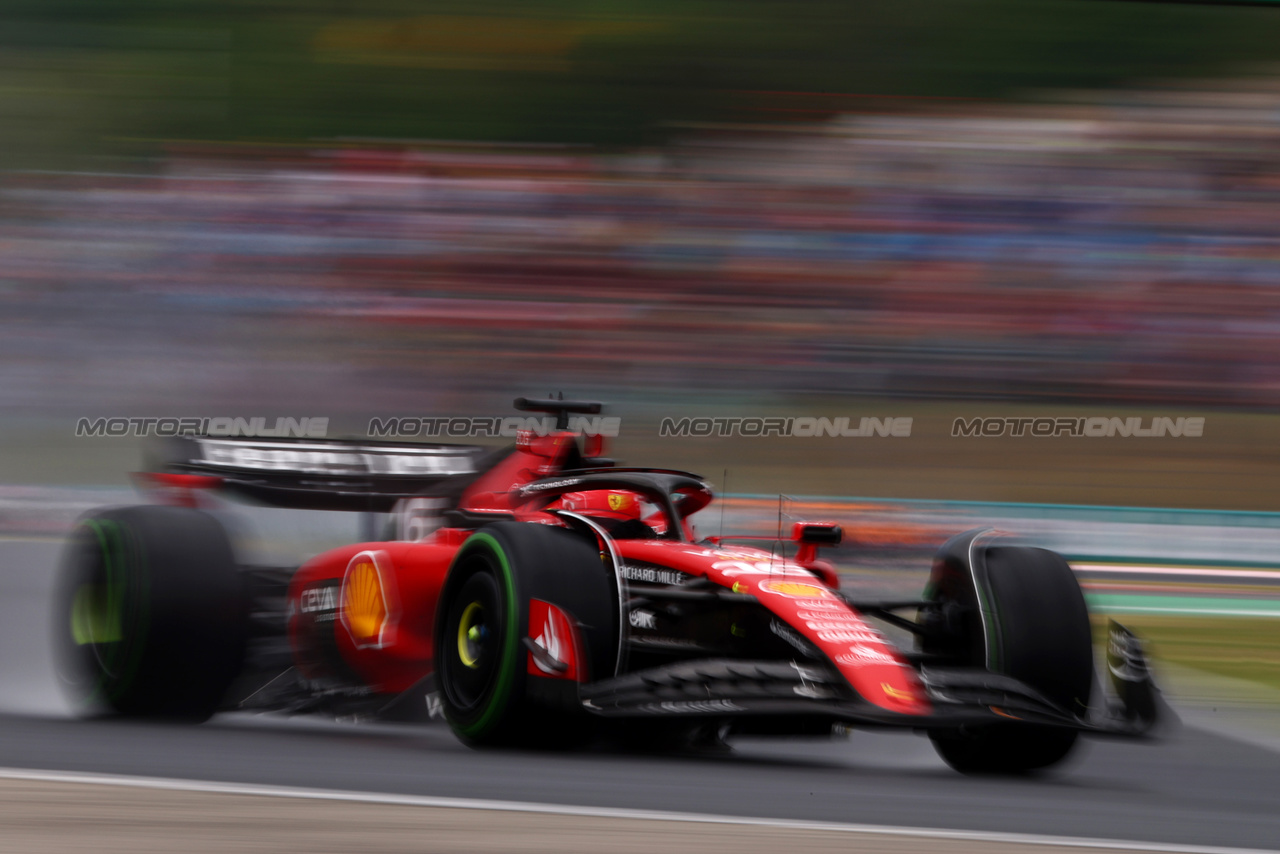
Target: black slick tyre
(151, 615)
(482, 623)
(1041, 636)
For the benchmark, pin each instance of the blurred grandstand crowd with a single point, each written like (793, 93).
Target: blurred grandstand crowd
(1120, 246)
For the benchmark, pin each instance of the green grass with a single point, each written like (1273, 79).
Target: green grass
(1237, 647)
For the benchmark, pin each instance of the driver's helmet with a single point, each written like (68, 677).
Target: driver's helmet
(603, 503)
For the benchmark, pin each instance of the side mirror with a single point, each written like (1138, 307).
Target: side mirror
(817, 533)
(810, 535)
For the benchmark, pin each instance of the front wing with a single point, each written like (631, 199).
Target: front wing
(959, 697)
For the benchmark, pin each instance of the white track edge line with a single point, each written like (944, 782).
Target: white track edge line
(180, 785)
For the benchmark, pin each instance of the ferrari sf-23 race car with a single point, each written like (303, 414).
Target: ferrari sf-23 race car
(542, 595)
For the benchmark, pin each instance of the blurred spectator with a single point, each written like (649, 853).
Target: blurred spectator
(1121, 246)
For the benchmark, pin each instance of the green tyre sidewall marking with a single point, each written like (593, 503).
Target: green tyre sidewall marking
(107, 555)
(506, 667)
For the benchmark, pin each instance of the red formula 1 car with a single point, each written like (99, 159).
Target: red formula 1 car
(540, 594)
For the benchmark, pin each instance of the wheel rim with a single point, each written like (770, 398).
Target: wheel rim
(96, 621)
(472, 632)
(97, 608)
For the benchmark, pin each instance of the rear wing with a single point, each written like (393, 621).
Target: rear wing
(326, 474)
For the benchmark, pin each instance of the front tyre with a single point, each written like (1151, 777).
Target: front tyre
(150, 616)
(1036, 629)
(486, 690)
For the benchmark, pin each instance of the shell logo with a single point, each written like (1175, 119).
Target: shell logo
(365, 602)
(795, 590)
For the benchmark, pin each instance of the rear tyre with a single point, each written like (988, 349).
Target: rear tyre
(486, 690)
(1041, 636)
(151, 615)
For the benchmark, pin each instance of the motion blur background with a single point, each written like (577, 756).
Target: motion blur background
(398, 207)
(923, 208)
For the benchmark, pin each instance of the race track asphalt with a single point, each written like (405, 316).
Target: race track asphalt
(1197, 788)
